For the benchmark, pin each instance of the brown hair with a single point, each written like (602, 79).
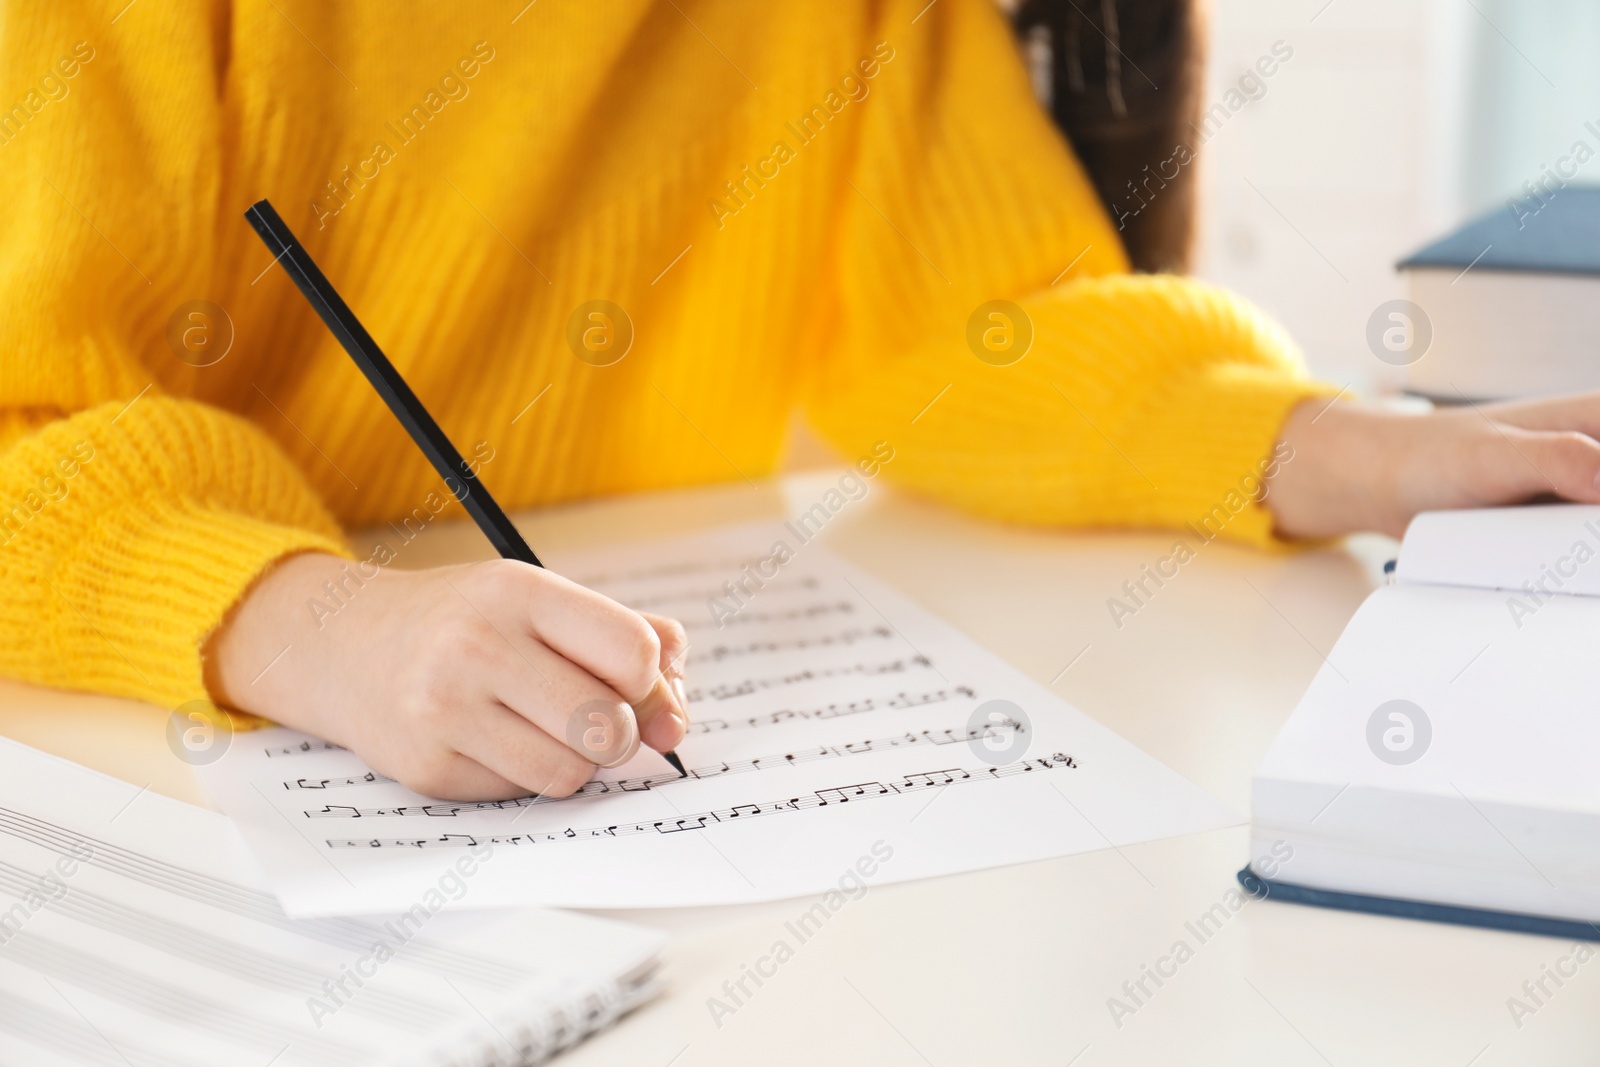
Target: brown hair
(1123, 80)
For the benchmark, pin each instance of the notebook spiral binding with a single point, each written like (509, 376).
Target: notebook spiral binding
(516, 1040)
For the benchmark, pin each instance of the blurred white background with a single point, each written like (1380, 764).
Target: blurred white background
(1394, 121)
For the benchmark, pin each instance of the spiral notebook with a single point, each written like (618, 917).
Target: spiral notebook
(135, 930)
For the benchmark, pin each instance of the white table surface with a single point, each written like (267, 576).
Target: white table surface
(1017, 965)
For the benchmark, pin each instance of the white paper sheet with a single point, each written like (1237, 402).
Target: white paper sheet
(831, 715)
(135, 930)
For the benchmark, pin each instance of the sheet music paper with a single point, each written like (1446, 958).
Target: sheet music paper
(830, 714)
(135, 930)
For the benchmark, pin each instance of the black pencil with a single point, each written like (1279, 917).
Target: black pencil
(458, 475)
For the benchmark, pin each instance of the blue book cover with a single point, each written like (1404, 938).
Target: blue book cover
(1515, 922)
(1558, 233)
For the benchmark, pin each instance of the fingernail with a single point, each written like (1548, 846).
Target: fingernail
(663, 732)
(681, 695)
(602, 728)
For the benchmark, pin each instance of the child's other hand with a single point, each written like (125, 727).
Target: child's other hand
(1367, 468)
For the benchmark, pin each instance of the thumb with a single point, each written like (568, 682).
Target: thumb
(663, 714)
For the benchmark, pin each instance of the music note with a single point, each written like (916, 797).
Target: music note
(845, 793)
(831, 711)
(305, 746)
(748, 686)
(369, 778)
(928, 779)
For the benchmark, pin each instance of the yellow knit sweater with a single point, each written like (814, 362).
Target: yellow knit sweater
(793, 205)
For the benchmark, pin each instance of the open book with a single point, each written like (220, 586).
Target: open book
(135, 930)
(1448, 751)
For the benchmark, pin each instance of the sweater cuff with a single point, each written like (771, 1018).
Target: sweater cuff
(1209, 441)
(148, 634)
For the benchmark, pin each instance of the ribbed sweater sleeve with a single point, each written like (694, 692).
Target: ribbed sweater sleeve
(129, 521)
(1142, 400)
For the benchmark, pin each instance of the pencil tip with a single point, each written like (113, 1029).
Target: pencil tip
(677, 764)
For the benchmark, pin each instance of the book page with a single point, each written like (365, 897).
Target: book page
(1508, 700)
(1446, 752)
(840, 734)
(1537, 551)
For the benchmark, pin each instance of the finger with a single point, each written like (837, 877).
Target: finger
(565, 701)
(611, 642)
(477, 662)
(664, 713)
(674, 648)
(1580, 412)
(514, 749)
(1524, 463)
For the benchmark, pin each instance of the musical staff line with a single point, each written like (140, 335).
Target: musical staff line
(844, 794)
(745, 688)
(139, 992)
(718, 653)
(370, 778)
(701, 593)
(302, 748)
(751, 618)
(830, 711)
(241, 901)
(202, 947)
(899, 701)
(908, 739)
(719, 565)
